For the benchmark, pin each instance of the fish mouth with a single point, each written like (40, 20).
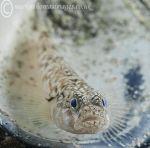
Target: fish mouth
(89, 118)
(90, 125)
(87, 123)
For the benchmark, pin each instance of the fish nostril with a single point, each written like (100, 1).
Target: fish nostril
(86, 109)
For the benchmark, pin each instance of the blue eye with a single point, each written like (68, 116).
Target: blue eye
(104, 102)
(74, 103)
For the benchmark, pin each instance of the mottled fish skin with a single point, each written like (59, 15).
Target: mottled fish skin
(88, 114)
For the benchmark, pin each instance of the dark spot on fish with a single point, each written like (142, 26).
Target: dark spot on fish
(17, 75)
(68, 73)
(49, 99)
(63, 94)
(44, 49)
(13, 73)
(57, 59)
(24, 51)
(11, 83)
(74, 80)
(49, 57)
(32, 79)
(34, 27)
(55, 89)
(20, 64)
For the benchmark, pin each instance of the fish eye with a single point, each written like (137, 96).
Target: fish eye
(74, 103)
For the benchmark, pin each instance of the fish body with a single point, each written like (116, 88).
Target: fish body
(74, 106)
